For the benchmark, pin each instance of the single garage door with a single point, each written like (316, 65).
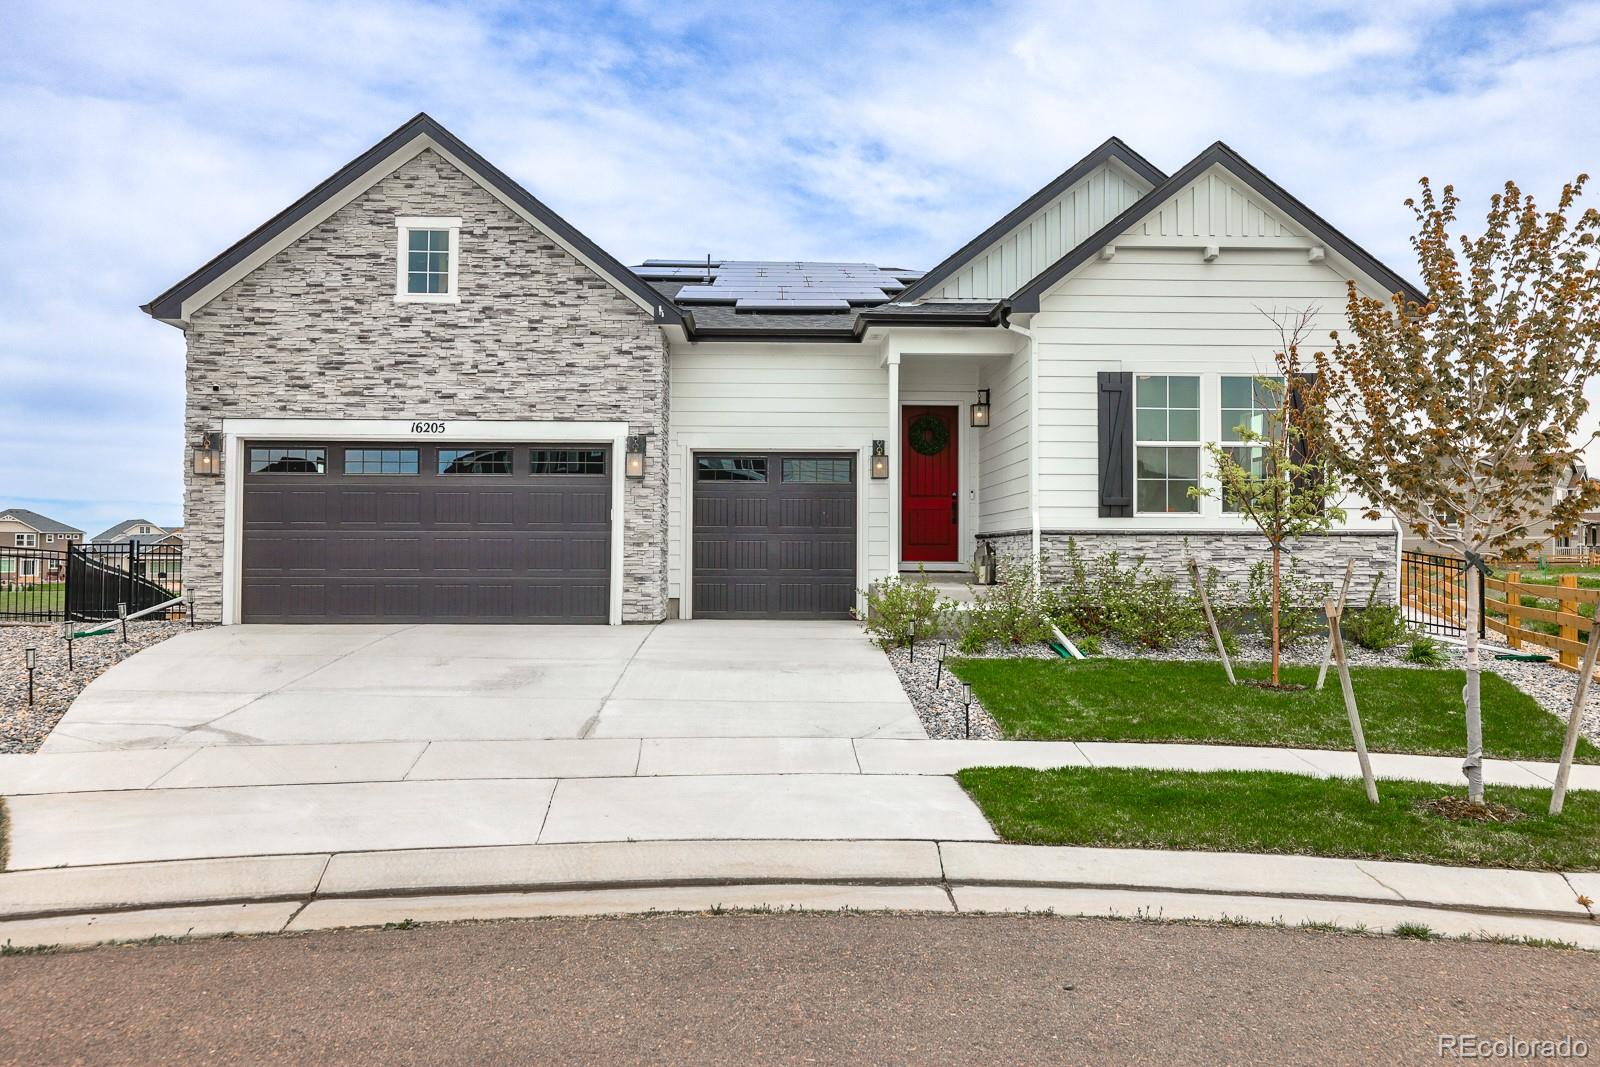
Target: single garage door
(361, 532)
(774, 535)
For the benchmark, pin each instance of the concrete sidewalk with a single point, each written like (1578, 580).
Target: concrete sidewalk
(322, 890)
(615, 757)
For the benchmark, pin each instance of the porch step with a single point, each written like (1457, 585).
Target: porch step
(957, 585)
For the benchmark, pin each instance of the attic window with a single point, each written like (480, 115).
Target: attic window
(427, 254)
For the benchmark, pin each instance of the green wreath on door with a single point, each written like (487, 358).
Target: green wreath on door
(929, 435)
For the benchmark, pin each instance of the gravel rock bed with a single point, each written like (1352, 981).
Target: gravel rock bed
(24, 728)
(940, 708)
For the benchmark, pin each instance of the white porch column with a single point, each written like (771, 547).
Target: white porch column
(891, 359)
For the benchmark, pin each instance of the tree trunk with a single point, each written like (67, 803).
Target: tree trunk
(1276, 551)
(1473, 766)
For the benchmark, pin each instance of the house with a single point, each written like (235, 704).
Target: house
(419, 394)
(143, 531)
(46, 539)
(1541, 543)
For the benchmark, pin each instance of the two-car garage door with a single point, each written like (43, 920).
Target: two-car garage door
(364, 532)
(774, 535)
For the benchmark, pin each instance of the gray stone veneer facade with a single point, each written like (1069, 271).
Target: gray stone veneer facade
(315, 332)
(1230, 553)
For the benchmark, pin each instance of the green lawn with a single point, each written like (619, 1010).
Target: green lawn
(39, 596)
(1402, 709)
(1261, 811)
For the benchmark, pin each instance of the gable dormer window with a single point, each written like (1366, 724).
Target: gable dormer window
(426, 260)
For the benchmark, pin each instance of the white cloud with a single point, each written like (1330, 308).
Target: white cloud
(138, 147)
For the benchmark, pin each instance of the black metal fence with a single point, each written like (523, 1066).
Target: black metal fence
(87, 582)
(1433, 594)
(32, 583)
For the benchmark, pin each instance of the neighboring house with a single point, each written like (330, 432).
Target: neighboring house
(143, 531)
(432, 398)
(21, 528)
(1541, 543)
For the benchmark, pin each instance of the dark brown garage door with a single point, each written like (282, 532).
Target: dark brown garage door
(426, 533)
(774, 535)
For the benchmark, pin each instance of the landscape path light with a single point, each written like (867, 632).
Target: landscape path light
(30, 657)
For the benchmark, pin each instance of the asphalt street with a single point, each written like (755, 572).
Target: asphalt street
(744, 989)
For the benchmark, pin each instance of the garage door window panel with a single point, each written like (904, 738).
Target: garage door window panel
(474, 461)
(288, 461)
(380, 461)
(731, 469)
(567, 461)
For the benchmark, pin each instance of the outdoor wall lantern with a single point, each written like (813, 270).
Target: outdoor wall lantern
(880, 459)
(208, 454)
(980, 410)
(633, 465)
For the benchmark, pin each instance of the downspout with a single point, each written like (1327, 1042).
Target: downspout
(1033, 432)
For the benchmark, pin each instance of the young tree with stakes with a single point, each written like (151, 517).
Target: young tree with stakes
(1462, 417)
(1275, 475)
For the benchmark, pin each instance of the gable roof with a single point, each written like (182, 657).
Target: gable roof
(1026, 299)
(41, 523)
(1111, 148)
(168, 307)
(127, 524)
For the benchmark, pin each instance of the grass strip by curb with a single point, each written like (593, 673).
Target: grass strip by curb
(1272, 812)
(1402, 709)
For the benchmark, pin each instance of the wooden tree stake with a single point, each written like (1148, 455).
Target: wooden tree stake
(1591, 651)
(1344, 593)
(1211, 620)
(1337, 639)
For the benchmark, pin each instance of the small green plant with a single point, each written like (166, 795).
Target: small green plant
(1088, 644)
(1300, 602)
(1418, 931)
(1376, 626)
(894, 607)
(1103, 597)
(1425, 651)
(1230, 643)
(1011, 612)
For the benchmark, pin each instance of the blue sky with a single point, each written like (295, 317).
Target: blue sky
(141, 139)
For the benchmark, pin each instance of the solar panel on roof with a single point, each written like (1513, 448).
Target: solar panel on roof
(778, 285)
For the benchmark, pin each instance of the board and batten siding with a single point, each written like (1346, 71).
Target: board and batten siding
(1045, 236)
(753, 397)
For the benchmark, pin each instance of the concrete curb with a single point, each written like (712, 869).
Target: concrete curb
(267, 894)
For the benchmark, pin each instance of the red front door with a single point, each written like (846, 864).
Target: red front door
(929, 515)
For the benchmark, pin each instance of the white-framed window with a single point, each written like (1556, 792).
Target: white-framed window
(27, 540)
(427, 259)
(1166, 424)
(29, 568)
(1248, 401)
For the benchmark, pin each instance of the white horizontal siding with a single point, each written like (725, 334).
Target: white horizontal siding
(1045, 236)
(1160, 310)
(1003, 448)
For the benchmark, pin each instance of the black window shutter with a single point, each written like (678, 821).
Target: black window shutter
(1297, 445)
(1116, 444)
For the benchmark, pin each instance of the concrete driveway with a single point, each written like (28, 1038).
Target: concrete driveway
(284, 685)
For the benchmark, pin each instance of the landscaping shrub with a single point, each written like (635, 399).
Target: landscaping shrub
(1010, 612)
(1301, 602)
(1376, 626)
(1088, 644)
(1425, 650)
(1104, 598)
(893, 606)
